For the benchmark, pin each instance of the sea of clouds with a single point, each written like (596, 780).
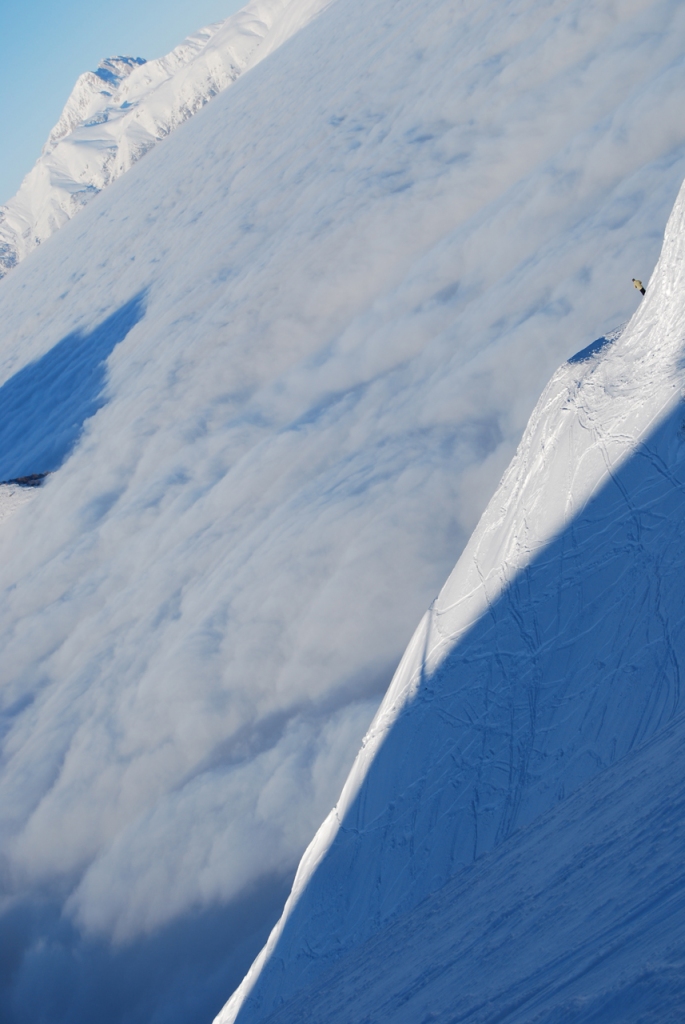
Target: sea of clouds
(352, 274)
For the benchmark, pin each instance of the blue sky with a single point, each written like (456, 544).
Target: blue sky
(45, 46)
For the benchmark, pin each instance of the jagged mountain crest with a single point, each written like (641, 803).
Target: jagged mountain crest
(116, 114)
(86, 94)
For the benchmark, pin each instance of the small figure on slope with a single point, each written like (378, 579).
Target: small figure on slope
(639, 285)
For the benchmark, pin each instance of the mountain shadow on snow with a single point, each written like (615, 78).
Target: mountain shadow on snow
(518, 715)
(43, 407)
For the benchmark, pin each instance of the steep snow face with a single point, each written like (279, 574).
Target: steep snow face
(578, 917)
(555, 648)
(116, 114)
(349, 277)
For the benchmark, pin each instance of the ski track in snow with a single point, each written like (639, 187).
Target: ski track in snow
(361, 264)
(576, 918)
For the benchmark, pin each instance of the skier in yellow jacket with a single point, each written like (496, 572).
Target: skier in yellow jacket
(639, 285)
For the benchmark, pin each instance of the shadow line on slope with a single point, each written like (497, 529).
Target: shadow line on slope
(575, 664)
(575, 919)
(44, 405)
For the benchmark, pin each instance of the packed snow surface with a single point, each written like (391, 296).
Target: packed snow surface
(12, 497)
(555, 649)
(116, 114)
(285, 360)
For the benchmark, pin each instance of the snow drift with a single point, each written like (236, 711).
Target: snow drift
(349, 278)
(555, 649)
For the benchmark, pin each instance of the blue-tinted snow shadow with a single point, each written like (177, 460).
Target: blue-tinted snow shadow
(43, 407)
(182, 974)
(577, 662)
(595, 347)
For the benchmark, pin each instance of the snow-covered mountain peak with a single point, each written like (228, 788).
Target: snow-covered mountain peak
(93, 92)
(113, 69)
(117, 113)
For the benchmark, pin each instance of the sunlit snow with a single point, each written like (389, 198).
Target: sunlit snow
(12, 497)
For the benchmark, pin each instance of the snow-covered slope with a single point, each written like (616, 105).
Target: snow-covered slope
(577, 918)
(116, 114)
(12, 497)
(285, 360)
(555, 649)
